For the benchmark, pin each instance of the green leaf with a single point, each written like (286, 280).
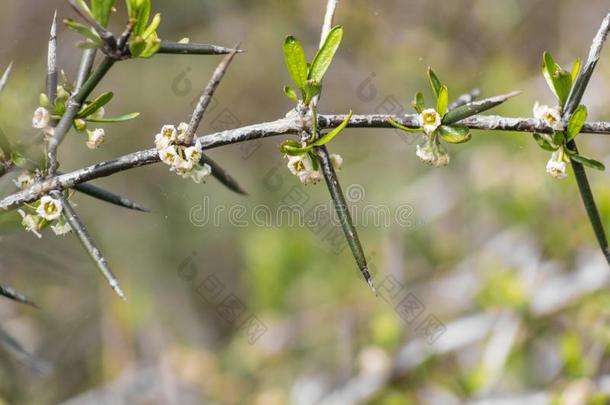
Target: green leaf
(101, 10)
(325, 55)
(121, 118)
(475, 107)
(291, 93)
(454, 134)
(585, 161)
(152, 28)
(332, 134)
(139, 10)
(435, 83)
(559, 138)
(559, 80)
(419, 102)
(95, 105)
(442, 102)
(403, 128)
(293, 148)
(315, 163)
(575, 69)
(294, 56)
(544, 143)
(84, 30)
(577, 120)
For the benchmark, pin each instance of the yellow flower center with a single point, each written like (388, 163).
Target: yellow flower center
(429, 118)
(299, 166)
(50, 208)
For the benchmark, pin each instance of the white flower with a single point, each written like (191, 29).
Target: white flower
(166, 138)
(302, 167)
(61, 228)
(199, 173)
(168, 155)
(30, 223)
(430, 120)
(336, 160)
(193, 153)
(41, 118)
(557, 165)
(96, 138)
(24, 180)
(182, 128)
(49, 208)
(550, 115)
(182, 165)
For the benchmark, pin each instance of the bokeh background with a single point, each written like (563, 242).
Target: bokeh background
(492, 285)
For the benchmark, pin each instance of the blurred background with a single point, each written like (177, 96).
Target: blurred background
(492, 287)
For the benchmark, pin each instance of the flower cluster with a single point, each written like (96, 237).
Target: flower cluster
(564, 130)
(438, 124)
(45, 212)
(185, 160)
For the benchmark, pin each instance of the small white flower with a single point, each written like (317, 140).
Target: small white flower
(96, 138)
(550, 115)
(430, 120)
(193, 153)
(199, 173)
(168, 155)
(41, 118)
(557, 165)
(302, 167)
(49, 208)
(336, 160)
(182, 165)
(166, 138)
(182, 128)
(61, 228)
(31, 223)
(24, 180)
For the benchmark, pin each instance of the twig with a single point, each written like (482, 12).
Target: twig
(284, 126)
(206, 96)
(343, 214)
(15, 295)
(109, 197)
(223, 176)
(79, 229)
(573, 102)
(84, 70)
(52, 61)
(5, 75)
(194, 49)
(465, 99)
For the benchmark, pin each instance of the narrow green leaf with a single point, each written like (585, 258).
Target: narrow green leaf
(332, 134)
(121, 118)
(559, 138)
(454, 134)
(152, 28)
(84, 30)
(325, 55)
(294, 56)
(544, 143)
(419, 102)
(141, 13)
(291, 93)
(312, 89)
(442, 102)
(435, 83)
(315, 163)
(101, 10)
(575, 69)
(403, 128)
(577, 120)
(563, 84)
(549, 67)
(585, 161)
(475, 107)
(293, 148)
(95, 105)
